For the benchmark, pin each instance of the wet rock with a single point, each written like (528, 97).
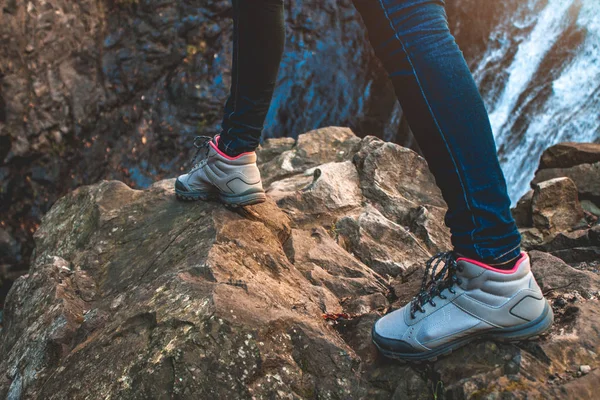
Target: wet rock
(555, 205)
(570, 154)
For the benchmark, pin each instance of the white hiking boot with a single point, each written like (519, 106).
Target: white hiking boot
(466, 300)
(233, 180)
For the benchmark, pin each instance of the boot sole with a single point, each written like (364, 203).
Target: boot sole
(230, 200)
(526, 332)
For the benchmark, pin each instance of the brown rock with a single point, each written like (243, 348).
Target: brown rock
(585, 176)
(570, 154)
(321, 146)
(522, 211)
(553, 273)
(157, 298)
(555, 205)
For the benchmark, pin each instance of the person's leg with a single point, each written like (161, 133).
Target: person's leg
(447, 115)
(461, 298)
(225, 166)
(258, 42)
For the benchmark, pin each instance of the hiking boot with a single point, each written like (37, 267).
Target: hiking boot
(233, 180)
(466, 300)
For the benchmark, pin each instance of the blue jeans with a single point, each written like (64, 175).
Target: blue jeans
(446, 113)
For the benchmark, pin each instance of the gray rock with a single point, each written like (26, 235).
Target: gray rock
(386, 247)
(321, 146)
(324, 190)
(590, 207)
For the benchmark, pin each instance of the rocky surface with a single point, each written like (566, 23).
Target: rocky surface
(116, 89)
(561, 214)
(133, 294)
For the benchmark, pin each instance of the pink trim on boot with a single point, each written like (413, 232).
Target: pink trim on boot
(524, 257)
(215, 145)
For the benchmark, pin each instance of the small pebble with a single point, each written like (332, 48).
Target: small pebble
(585, 369)
(560, 302)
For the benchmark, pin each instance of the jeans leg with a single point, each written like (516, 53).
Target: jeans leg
(258, 42)
(447, 115)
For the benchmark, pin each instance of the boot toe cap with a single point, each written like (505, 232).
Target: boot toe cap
(393, 345)
(388, 331)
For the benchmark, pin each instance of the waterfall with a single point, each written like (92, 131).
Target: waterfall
(548, 90)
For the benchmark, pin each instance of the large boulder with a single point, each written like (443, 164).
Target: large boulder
(135, 295)
(117, 89)
(383, 206)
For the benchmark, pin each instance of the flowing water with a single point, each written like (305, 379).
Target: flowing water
(540, 78)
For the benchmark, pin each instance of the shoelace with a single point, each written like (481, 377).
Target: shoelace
(200, 143)
(435, 282)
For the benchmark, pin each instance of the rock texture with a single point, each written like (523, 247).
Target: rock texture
(555, 205)
(133, 294)
(561, 215)
(578, 161)
(116, 89)
(570, 154)
(110, 89)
